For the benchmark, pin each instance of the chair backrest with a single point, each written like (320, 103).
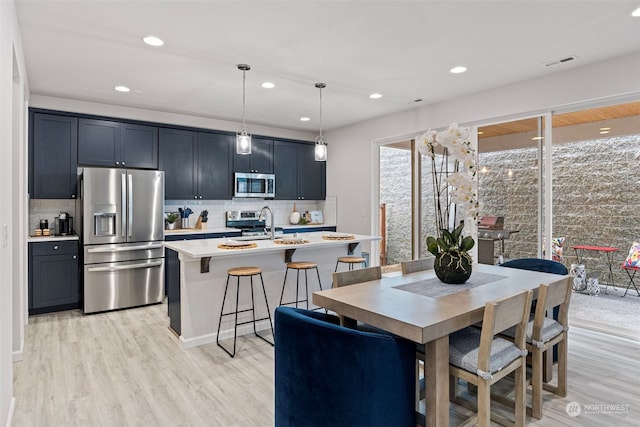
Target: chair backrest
(558, 295)
(345, 278)
(537, 264)
(417, 265)
(500, 315)
(328, 375)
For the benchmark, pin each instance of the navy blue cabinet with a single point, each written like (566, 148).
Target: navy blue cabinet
(298, 175)
(259, 161)
(53, 156)
(53, 276)
(115, 144)
(197, 165)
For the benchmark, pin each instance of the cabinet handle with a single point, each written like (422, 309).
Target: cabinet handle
(73, 196)
(55, 247)
(117, 163)
(200, 197)
(122, 163)
(74, 257)
(195, 197)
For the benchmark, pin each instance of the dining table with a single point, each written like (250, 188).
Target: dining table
(421, 308)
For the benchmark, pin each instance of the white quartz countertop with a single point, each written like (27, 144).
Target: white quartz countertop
(183, 231)
(201, 248)
(51, 238)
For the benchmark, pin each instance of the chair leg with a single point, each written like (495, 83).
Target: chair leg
(562, 368)
(484, 403)
(266, 302)
(224, 298)
(298, 287)
(306, 287)
(284, 284)
(319, 281)
(536, 383)
(521, 395)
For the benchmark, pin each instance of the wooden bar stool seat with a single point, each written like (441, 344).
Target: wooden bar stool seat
(239, 272)
(300, 266)
(351, 261)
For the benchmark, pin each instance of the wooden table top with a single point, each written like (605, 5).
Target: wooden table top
(423, 318)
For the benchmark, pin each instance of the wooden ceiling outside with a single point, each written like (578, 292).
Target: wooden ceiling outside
(566, 119)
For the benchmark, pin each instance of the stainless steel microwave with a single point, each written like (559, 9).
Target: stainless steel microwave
(262, 185)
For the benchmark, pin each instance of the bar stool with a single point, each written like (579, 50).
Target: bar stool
(298, 266)
(351, 261)
(243, 272)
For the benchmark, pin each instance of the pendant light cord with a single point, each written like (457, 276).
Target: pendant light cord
(244, 79)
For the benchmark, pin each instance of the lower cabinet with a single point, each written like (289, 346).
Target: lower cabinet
(53, 276)
(172, 275)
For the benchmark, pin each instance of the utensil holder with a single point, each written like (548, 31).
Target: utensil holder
(184, 223)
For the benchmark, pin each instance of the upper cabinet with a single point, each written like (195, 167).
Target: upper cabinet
(259, 161)
(115, 144)
(53, 156)
(197, 165)
(298, 175)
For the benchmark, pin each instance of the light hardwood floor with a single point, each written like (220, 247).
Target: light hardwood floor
(126, 368)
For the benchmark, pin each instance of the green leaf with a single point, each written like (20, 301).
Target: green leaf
(467, 243)
(448, 238)
(432, 245)
(457, 232)
(443, 244)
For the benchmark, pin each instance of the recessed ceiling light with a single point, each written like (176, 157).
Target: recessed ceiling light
(480, 132)
(636, 13)
(375, 96)
(605, 128)
(268, 85)
(304, 119)
(459, 69)
(152, 41)
(537, 138)
(604, 132)
(122, 89)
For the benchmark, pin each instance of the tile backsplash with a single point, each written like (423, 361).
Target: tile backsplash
(49, 209)
(281, 209)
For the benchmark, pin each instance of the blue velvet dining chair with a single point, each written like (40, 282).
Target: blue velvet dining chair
(329, 375)
(537, 264)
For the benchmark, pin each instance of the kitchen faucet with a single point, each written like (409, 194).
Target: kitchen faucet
(273, 229)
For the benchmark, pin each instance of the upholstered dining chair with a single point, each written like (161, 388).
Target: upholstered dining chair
(542, 334)
(415, 265)
(351, 378)
(537, 264)
(481, 357)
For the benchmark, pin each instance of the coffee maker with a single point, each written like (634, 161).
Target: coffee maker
(64, 223)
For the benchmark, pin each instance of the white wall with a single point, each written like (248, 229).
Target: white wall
(12, 193)
(353, 181)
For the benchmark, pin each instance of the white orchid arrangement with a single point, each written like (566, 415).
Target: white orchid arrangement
(453, 167)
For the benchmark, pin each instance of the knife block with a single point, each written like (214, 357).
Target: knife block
(199, 224)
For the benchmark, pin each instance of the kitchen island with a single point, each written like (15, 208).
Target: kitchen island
(203, 274)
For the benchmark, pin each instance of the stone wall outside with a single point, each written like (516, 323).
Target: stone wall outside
(595, 194)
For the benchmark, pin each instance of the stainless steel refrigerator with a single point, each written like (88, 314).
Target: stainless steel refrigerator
(122, 233)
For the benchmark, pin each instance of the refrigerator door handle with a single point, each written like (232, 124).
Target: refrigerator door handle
(123, 192)
(124, 249)
(130, 206)
(125, 267)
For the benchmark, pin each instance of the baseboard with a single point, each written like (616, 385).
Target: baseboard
(224, 335)
(12, 408)
(18, 355)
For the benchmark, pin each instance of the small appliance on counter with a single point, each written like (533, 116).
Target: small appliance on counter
(64, 224)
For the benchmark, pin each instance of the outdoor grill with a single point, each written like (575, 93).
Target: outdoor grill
(490, 230)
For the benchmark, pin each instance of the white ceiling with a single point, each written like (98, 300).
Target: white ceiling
(402, 49)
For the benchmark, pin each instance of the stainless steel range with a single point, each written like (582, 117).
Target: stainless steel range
(491, 230)
(250, 224)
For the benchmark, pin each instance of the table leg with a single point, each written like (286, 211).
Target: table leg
(610, 262)
(436, 371)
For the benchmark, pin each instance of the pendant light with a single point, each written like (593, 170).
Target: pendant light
(321, 146)
(243, 138)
